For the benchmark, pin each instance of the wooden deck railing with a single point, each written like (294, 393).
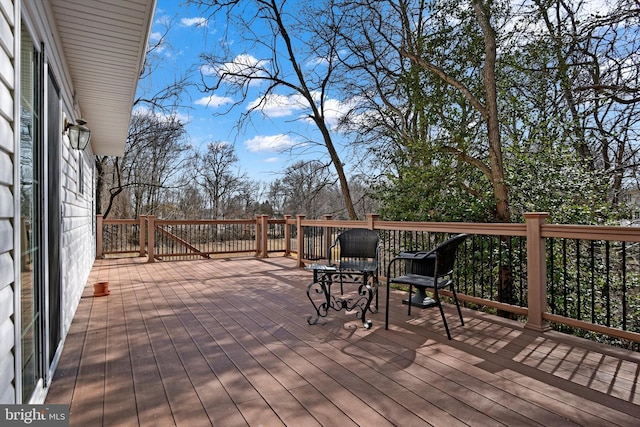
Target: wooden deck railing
(176, 239)
(569, 276)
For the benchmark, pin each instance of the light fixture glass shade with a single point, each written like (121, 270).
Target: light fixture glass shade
(79, 135)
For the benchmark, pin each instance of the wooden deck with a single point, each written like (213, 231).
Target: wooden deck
(226, 342)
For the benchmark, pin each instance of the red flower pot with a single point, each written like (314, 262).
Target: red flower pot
(101, 289)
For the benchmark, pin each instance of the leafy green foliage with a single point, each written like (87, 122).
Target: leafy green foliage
(435, 187)
(553, 180)
(567, 149)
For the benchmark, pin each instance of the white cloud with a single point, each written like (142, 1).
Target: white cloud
(270, 142)
(184, 118)
(334, 111)
(214, 101)
(163, 20)
(194, 22)
(218, 144)
(272, 160)
(526, 27)
(274, 106)
(597, 7)
(279, 105)
(238, 70)
(318, 60)
(155, 36)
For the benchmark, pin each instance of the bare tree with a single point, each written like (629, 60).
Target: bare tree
(245, 202)
(294, 61)
(306, 188)
(596, 64)
(217, 177)
(416, 69)
(153, 160)
(190, 202)
(164, 101)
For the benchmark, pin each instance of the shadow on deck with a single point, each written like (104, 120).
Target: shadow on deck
(226, 342)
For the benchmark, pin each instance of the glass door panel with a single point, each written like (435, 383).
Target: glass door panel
(54, 301)
(30, 217)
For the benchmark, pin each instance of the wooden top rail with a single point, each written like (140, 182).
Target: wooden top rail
(203, 221)
(567, 231)
(591, 232)
(493, 229)
(120, 221)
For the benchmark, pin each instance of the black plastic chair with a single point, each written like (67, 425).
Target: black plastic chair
(358, 250)
(428, 270)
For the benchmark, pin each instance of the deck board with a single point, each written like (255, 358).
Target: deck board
(226, 342)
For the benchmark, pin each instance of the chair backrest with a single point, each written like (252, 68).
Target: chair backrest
(358, 243)
(446, 255)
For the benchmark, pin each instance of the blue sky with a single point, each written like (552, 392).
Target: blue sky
(261, 145)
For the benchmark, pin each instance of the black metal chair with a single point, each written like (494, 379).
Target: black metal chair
(358, 250)
(427, 270)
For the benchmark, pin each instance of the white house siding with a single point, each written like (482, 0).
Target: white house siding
(77, 240)
(78, 237)
(7, 155)
(77, 231)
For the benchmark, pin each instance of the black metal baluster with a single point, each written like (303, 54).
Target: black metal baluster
(507, 251)
(474, 270)
(491, 264)
(465, 268)
(565, 285)
(552, 276)
(593, 281)
(624, 286)
(578, 296)
(608, 282)
(521, 270)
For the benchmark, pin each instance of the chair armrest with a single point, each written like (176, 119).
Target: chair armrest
(415, 255)
(393, 260)
(411, 256)
(320, 267)
(330, 259)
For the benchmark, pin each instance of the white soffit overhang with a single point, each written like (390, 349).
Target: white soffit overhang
(104, 44)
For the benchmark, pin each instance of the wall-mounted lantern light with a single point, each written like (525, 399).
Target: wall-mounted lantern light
(79, 134)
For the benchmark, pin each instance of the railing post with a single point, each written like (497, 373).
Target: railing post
(300, 236)
(257, 236)
(536, 271)
(371, 221)
(99, 253)
(151, 240)
(264, 224)
(326, 242)
(143, 235)
(287, 236)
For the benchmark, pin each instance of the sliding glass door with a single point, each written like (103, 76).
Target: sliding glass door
(31, 217)
(54, 222)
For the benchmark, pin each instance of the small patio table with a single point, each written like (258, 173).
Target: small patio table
(325, 275)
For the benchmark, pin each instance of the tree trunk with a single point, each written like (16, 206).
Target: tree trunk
(100, 161)
(317, 114)
(501, 193)
(500, 190)
(337, 163)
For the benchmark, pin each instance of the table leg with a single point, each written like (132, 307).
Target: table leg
(322, 286)
(318, 287)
